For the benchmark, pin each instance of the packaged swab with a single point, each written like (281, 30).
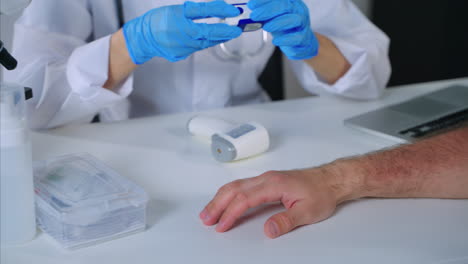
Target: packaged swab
(243, 20)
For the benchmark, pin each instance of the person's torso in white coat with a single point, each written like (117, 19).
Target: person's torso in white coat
(63, 46)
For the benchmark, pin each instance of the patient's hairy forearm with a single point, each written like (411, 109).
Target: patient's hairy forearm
(436, 167)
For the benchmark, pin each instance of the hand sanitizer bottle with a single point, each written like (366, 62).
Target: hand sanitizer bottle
(17, 209)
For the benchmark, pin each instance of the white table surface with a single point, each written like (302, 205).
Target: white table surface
(180, 177)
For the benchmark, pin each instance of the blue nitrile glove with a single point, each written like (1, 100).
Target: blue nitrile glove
(289, 23)
(169, 31)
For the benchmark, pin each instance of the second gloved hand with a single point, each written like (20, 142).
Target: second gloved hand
(289, 23)
(169, 31)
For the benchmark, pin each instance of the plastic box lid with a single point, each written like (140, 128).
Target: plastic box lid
(79, 191)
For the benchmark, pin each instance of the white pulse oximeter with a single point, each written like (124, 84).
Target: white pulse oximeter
(230, 141)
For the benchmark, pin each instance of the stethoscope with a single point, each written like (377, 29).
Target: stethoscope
(223, 52)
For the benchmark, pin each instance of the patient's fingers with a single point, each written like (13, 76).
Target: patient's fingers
(244, 200)
(223, 198)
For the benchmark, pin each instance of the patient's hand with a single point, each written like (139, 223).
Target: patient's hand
(309, 196)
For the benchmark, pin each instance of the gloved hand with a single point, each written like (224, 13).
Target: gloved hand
(289, 23)
(169, 31)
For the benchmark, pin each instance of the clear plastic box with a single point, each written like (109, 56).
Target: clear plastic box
(80, 201)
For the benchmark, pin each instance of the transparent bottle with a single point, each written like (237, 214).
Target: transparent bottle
(17, 216)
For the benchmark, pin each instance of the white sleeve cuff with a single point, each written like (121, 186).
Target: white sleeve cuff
(361, 80)
(87, 71)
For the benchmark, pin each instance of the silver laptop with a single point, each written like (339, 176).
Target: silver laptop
(417, 118)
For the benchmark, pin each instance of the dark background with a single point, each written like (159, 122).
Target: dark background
(429, 38)
(429, 41)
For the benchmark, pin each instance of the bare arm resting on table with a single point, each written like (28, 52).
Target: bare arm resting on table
(436, 168)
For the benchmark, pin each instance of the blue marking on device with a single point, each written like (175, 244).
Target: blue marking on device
(243, 20)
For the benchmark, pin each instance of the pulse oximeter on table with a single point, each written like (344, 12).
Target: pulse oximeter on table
(230, 141)
(243, 141)
(243, 20)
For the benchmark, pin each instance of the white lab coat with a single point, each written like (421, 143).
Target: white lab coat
(63, 50)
